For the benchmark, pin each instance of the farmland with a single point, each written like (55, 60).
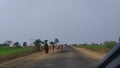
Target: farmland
(100, 48)
(4, 51)
(103, 47)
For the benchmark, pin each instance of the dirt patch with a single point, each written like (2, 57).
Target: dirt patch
(102, 50)
(96, 55)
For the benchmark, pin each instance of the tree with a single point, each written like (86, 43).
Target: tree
(66, 44)
(110, 44)
(8, 42)
(93, 43)
(4, 45)
(56, 41)
(85, 44)
(37, 44)
(52, 43)
(24, 44)
(16, 44)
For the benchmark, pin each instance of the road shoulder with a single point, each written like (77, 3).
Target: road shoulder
(91, 54)
(23, 62)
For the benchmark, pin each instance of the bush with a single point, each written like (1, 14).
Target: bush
(110, 44)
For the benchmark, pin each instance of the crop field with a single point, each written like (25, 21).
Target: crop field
(100, 48)
(97, 47)
(104, 47)
(4, 51)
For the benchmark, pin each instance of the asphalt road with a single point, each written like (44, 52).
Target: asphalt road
(69, 58)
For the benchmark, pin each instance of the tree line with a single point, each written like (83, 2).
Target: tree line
(37, 43)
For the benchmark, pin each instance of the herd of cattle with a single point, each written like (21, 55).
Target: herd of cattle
(53, 47)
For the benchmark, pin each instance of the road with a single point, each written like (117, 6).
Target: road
(69, 58)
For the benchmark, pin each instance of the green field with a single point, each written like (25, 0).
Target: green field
(105, 46)
(4, 51)
(95, 46)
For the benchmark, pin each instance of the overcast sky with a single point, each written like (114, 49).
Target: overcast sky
(71, 21)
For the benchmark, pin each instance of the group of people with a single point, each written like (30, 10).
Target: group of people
(58, 47)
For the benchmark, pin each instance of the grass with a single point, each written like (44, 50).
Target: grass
(4, 51)
(100, 48)
(95, 46)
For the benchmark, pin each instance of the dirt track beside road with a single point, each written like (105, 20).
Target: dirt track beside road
(24, 61)
(92, 54)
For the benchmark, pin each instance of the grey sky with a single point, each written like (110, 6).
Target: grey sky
(72, 21)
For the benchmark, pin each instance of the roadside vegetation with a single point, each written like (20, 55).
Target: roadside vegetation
(11, 50)
(5, 51)
(102, 47)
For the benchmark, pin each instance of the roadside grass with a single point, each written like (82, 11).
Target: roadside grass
(5, 51)
(95, 46)
(100, 48)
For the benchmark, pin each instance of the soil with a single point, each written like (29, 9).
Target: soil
(25, 60)
(32, 59)
(96, 55)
